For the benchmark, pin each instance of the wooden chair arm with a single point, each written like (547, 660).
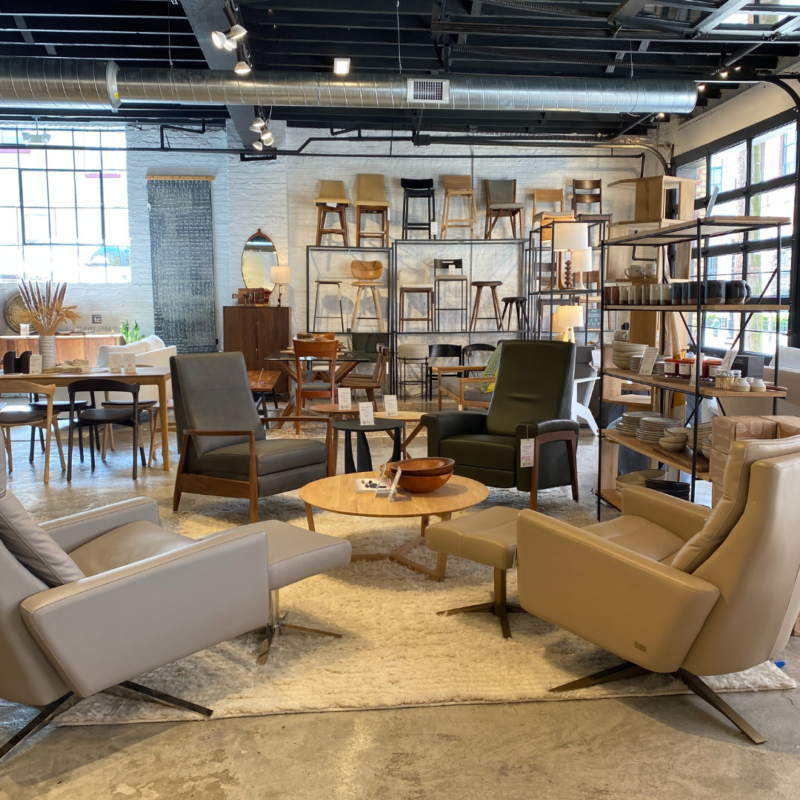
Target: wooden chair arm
(195, 432)
(462, 381)
(459, 368)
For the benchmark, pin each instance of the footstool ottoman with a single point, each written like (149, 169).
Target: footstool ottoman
(487, 537)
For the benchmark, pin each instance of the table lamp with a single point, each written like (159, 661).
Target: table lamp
(581, 262)
(568, 237)
(280, 276)
(565, 320)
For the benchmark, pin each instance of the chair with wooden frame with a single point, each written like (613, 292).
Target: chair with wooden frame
(225, 451)
(501, 201)
(305, 353)
(587, 193)
(409, 284)
(459, 186)
(371, 199)
(332, 200)
(23, 416)
(370, 383)
(463, 389)
(541, 218)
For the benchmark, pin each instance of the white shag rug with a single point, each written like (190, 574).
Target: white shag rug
(396, 651)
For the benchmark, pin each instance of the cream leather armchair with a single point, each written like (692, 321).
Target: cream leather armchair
(672, 587)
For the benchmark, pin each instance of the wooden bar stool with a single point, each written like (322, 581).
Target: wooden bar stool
(367, 274)
(317, 315)
(459, 186)
(520, 305)
(587, 193)
(371, 199)
(501, 201)
(447, 272)
(480, 286)
(422, 190)
(409, 285)
(332, 200)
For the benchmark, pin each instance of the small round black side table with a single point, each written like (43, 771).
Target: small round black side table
(362, 453)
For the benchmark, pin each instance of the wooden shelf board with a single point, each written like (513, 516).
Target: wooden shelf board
(612, 497)
(733, 308)
(681, 460)
(686, 387)
(629, 400)
(687, 231)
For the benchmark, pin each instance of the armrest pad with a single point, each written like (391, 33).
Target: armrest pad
(443, 424)
(638, 609)
(680, 517)
(528, 430)
(114, 626)
(73, 531)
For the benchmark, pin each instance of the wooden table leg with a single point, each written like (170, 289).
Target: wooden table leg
(164, 415)
(310, 517)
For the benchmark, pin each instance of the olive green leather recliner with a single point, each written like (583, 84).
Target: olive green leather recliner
(532, 399)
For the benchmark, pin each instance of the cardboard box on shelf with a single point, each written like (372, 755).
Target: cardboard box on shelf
(727, 430)
(717, 463)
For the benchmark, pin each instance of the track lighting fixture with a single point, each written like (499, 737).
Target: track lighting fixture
(660, 115)
(701, 87)
(723, 74)
(267, 138)
(258, 145)
(226, 40)
(242, 60)
(257, 125)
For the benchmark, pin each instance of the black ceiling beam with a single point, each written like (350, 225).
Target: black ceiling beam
(626, 11)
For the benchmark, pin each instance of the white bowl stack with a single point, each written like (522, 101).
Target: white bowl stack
(638, 478)
(674, 439)
(623, 352)
(629, 423)
(651, 429)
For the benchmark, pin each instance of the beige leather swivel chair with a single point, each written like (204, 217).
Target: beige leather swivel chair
(93, 600)
(673, 587)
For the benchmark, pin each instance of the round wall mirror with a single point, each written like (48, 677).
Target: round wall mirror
(258, 257)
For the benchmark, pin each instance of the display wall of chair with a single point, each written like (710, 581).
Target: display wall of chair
(367, 274)
(332, 200)
(458, 187)
(371, 201)
(416, 190)
(501, 201)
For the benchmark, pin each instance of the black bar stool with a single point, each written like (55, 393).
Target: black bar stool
(423, 190)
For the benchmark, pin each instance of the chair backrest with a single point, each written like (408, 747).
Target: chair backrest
(583, 362)
(412, 183)
(410, 276)
(92, 385)
(457, 183)
(479, 347)
(368, 342)
(305, 352)
(501, 191)
(587, 192)
(757, 570)
(371, 188)
(212, 392)
(380, 365)
(332, 190)
(534, 383)
(548, 196)
(444, 351)
(446, 263)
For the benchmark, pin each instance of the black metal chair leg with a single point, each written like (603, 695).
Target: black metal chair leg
(45, 716)
(41, 438)
(33, 443)
(618, 673)
(135, 444)
(167, 699)
(92, 433)
(80, 441)
(69, 456)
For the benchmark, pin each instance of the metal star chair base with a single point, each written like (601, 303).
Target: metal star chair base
(276, 626)
(697, 685)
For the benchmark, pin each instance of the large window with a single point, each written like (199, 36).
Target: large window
(64, 212)
(755, 177)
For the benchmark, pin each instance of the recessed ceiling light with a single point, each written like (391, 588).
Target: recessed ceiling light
(341, 66)
(737, 69)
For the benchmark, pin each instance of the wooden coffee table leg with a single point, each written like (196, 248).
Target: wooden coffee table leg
(310, 517)
(441, 566)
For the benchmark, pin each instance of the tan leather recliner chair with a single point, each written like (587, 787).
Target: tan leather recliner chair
(674, 587)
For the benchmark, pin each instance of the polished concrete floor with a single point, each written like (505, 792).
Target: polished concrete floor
(673, 747)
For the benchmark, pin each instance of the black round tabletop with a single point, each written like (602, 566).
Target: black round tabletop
(381, 424)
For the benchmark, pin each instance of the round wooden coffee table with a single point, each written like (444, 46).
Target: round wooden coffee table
(338, 494)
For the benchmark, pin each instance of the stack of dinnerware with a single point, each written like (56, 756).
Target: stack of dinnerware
(638, 478)
(678, 489)
(658, 367)
(705, 446)
(630, 421)
(623, 352)
(651, 429)
(674, 439)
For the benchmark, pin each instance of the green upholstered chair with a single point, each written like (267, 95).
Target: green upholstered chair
(532, 399)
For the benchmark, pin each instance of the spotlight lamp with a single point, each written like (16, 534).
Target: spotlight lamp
(258, 145)
(226, 40)
(341, 66)
(218, 39)
(701, 87)
(267, 138)
(242, 66)
(660, 115)
(257, 125)
(236, 32)
(723, 74)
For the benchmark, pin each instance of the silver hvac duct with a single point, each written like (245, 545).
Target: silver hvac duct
(66, 83)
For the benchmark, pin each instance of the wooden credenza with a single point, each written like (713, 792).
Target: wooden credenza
(67, 347)
(258, 331)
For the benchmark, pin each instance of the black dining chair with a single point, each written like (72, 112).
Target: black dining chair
(94, 418)
(440, 351)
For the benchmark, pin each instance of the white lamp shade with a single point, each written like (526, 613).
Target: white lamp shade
(568, 317)
(570, 236)
(280, 274)
(582, 260)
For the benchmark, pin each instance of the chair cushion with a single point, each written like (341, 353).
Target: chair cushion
(487, 537)
(17, 415)
(127, 545)
(639, 535)
(32, 546)
(106, 414)
(501, 206)
(480, 450)
(272, 455)
(472, 391)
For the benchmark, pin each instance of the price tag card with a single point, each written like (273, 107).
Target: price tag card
(129, 363)
(390, 405)
(366, 415)
(345, 403)
(727, 362)
(35, 365)
(648, 361)
(434, 228)
(526, 453)
(115, 362)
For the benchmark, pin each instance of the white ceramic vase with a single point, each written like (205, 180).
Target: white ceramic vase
(47, 350)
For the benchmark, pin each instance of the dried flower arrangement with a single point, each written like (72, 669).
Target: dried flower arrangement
(46, 309)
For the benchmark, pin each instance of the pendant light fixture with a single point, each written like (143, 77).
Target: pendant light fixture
(258, 124)
(226, 40)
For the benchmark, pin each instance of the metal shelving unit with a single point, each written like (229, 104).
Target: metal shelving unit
(695, 233)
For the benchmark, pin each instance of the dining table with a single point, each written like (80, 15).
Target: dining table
(144, 376)
(347, 362)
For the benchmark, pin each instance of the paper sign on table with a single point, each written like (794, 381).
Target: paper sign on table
(526, 453)
(390, 405)
(727, 362)
(344, 399)
(115, 362)
(648, 361)
(35, 365)
(129, 363)
(366, 415)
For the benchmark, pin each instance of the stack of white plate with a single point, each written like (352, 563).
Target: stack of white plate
(651, 429)
(630, 421)
(704, 429)
(623, 352)
(705, 446)
(674, 439)
(658, 367)
(638, 478)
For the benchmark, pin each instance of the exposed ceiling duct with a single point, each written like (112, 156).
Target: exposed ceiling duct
(66, 83)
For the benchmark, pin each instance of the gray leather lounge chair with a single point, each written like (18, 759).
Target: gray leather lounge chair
(225, 450)
(96, 599)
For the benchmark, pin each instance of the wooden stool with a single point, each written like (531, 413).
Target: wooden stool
(338, 285)
(372, 200)
(427, 290)
(521, 306)
(480, 286)
(501, 201)
(459, 186)
(373, 286)
(423, 190)
(332, 200)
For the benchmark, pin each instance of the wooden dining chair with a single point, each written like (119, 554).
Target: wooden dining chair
(318, 350)
(369, 383)
(587, 193)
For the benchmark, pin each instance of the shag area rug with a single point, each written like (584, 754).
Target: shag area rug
(396, 651)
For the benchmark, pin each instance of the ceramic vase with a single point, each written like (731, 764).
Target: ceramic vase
(47, 350)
